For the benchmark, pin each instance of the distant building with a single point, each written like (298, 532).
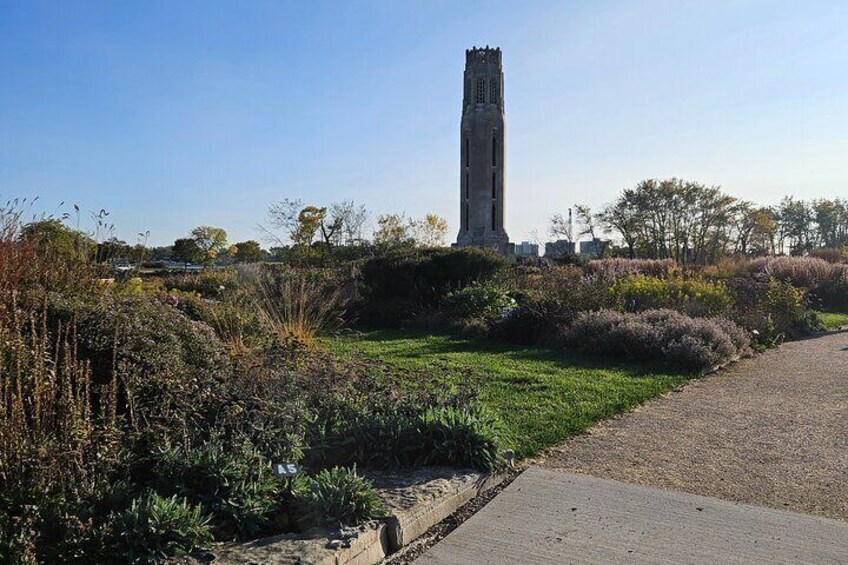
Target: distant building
(526, 249)
(594, 248)
(559, 248)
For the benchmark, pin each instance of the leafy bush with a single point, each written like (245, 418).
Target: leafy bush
(236, 487)
(460, 437)
(341, 497)
(788, 310)
(154, 528)
(412, 280)
(692, 296)
(478, 301)
(411, 435)
(693, 344)
(209, 283)
(551, 301)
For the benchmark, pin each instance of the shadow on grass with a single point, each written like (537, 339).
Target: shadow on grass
(446, 344)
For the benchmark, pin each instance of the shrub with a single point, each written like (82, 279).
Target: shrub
(460, 438)
(416, 279)
(235, 486)
(409, 435)
(341, 497)
(551, 301)
(787, 309)
(692, 344)
(692, 296)
(828, 254)
(235, 319)
(162, 368)
(478, 301)
(154, 528)
(826, 282)
(209, 283)
(611, 269)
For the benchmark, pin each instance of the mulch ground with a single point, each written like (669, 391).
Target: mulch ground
(771, 431)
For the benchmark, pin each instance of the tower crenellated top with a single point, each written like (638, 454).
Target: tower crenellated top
(483, 79)
(483, 55)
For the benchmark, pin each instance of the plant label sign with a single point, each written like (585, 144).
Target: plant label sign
(286, 469)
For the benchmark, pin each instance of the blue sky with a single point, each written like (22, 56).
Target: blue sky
(175, 114)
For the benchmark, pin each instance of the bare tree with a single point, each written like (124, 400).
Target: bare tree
(352, 218)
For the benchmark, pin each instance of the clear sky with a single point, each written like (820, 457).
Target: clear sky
(175, 114)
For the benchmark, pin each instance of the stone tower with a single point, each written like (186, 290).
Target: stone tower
(483, 152)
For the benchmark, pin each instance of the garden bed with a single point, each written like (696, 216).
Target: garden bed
(416, 500)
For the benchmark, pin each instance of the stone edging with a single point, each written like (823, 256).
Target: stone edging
(416, 501)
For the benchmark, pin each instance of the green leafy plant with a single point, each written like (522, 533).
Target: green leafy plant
(154, 528)
(341, 497)
(693, 296)
(236, 487)
(478, 301)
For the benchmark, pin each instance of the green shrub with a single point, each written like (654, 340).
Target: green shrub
(788, 310)
(478, 302)
(341, 497)
(460, 438)
(412, 280)
(209, 283)
(237, 487)
(552, 299)
(154, 528)
(409, 435)
(692, 296)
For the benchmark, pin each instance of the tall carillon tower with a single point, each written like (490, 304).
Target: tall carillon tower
(482, 153)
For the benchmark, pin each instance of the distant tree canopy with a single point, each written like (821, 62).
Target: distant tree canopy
(248, 252)
(694, 223)
(54, 237)
(186, 251)
(210, 240)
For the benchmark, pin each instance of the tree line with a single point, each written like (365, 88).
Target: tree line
(691, 222)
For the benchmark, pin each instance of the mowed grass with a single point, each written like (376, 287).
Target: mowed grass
(543, 396)
(833, 320)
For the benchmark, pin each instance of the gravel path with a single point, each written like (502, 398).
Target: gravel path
(770, 431)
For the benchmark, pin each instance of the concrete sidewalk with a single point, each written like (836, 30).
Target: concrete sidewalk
(559, 517)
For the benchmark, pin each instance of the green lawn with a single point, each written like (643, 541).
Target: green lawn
(833, 320)
(542, 395)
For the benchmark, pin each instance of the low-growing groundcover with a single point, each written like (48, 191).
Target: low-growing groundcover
(833, 320)
(542, 396)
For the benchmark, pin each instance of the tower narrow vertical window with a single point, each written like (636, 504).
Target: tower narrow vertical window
(494, 185)
(467, 187)
(467, 152)
(494, 150)
(466, 216)
(481, 90)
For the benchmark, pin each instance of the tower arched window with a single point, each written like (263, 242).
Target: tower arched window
(481, 90)
(494, 91)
